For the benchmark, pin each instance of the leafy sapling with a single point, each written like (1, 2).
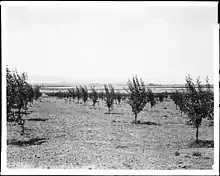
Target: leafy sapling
(136, 95)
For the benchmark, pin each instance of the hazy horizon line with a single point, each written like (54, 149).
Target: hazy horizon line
(114, 83)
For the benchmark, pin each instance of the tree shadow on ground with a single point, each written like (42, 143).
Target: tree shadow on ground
(202, 144)
(145, 123)
(114, 113)
(36, 119)
(24, 113)
(78, 102)
(121, 147)
(31, 111)
(33, 141)
(27, 129)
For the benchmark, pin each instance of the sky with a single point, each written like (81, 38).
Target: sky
(111, 42)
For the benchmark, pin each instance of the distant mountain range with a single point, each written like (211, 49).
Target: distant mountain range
(99, 85)
(65, 84)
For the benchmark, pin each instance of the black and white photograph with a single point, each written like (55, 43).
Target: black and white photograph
(115, 87)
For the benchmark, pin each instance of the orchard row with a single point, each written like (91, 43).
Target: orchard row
(197, 101)
(19, 94)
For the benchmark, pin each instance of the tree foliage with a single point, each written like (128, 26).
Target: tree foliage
(150, 97)
(109, 96)
(118, 97)
(197, 102)
(84, 93)
(72, 93)
(78, 93)
(36, 92)
(136, 95)
(19, 93)
(94, 96)
(161, 97)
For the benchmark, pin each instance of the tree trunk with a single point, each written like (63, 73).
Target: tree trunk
(135, 117)
(22, 130)
(93, 104)
(19, 114)
(109, 110)
(197, 134)
(22, 126)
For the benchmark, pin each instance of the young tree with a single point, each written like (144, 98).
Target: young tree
(152, 103)
(30, 94)
(78, 93)
(181, 102)
(109, 98)
(11, 94)
(161, 97)
(150, 97)
(66, 96)
(198, 103)
(136, 95)
(118, 96)
(175, 96)
(72, 93)
(179, 99)
(37, 93)
(166, 94)
(94, 96)
(59, 95)
(85, 93)
(22, 91)
(19, 93)
(209, 103)
(124, 96)
(101, 95)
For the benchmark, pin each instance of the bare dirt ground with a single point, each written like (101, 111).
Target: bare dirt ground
(61, 134)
